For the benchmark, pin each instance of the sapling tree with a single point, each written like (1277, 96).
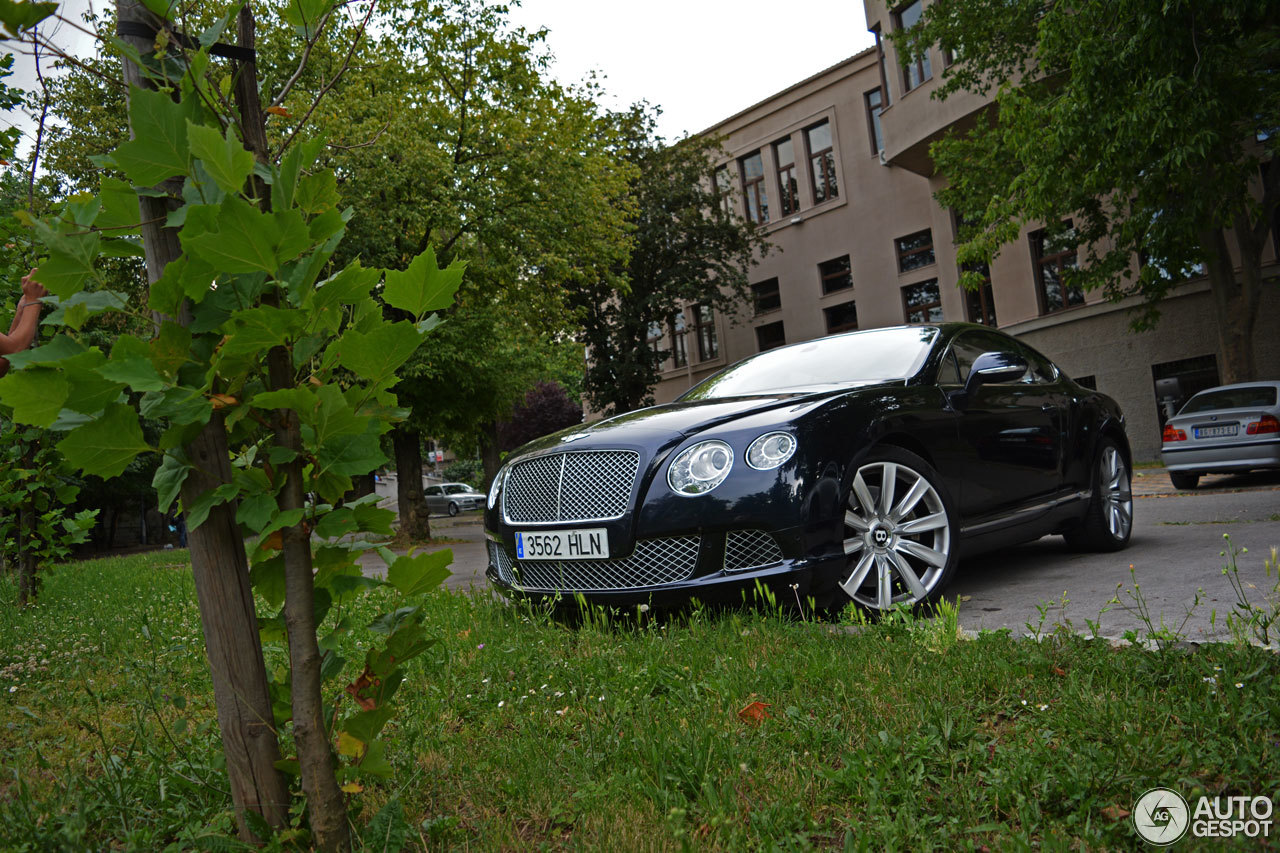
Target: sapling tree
(272, 373)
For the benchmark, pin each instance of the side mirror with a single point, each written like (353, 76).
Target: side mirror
(990, 367)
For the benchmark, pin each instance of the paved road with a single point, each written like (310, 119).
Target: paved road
(1174, 551)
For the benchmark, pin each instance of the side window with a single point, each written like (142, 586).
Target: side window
(970, 345)
(965, 350)
(949, 371)
(433, 490)
(1040, 371)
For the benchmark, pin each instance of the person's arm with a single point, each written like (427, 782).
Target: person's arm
(25, 320)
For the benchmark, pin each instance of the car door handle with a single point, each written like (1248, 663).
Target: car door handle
(1048, 407)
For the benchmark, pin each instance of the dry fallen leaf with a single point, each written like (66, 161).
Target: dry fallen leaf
(754, 713)
(1115, 813)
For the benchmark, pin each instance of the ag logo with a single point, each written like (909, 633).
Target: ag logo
(1161, 816)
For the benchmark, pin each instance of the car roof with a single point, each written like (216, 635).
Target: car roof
(1269, 383)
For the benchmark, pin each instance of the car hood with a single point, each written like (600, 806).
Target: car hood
(674, 420)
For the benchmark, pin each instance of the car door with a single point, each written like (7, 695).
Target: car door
(435, 498)
(1011, 432)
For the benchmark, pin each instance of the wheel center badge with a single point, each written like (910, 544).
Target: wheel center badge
(880, 536)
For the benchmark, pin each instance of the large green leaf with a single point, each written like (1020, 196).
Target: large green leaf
(64, 275)
(225, 158)
(259, 329)
(131, 364)
(244, 242)
(158, 149)
(423, 287)
(375, 356)
(169, 478)
(107, 445)
(417, 574)
(18, 16)
(90, 393)
(35, 394)
(76, 310)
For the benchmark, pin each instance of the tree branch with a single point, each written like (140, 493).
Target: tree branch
(346, 62)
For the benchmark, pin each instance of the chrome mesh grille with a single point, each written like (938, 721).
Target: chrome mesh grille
(499, 559)
(589, 485)
(750, 549)
(654, 562)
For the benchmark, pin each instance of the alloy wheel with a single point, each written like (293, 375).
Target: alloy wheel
(897, 536)
(1117, 493)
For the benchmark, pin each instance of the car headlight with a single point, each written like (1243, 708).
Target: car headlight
(496, 487)
(700, 468)
(771, 450)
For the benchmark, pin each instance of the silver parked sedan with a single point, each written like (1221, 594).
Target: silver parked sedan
(453, 498)
(1231, 428)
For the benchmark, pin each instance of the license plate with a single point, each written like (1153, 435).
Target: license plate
(586, 544)
(1215, 431)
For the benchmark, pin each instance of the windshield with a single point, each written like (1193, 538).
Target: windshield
(1231, 398)
(456, 490)
(878, 355)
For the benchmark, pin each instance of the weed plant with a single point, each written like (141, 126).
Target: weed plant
(521, 732)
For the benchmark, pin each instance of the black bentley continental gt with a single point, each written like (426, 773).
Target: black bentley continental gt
(858, 466)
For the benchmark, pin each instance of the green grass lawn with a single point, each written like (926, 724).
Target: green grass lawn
(518, 732)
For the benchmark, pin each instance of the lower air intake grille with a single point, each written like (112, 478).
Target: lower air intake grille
(750, 549)
(653, 563)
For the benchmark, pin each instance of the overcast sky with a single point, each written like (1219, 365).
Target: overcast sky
(700, 60)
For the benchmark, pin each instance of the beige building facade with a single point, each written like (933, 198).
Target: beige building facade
(836, 169)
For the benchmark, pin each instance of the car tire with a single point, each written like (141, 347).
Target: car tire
(1184, 479)
(903, 550)
(1108, 521)
(453, 509)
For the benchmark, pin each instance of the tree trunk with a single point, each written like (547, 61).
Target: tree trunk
(413, 504)
(361, 485)
(230, 624)
(1235, 300)
(490, 453)
(326, 808)
(220, 568)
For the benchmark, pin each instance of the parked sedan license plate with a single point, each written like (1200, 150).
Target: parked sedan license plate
(586, 544)
(1215, 431)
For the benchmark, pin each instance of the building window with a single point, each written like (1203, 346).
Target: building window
(836, 275)
(822, 162)
(884, 75)
(724, 189)
(753, 190)
(784, 156)
(705, 330)
(770, 335)
(915, 250)
(841, 318)
(915, 69)
(921, 303)
(1052, 257)
(655, 336)
(679, 350)
(875, 103)
(980, 304)
(766, 296)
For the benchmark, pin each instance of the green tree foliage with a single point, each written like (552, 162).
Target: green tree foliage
(685, 248)
(454, 134)
(253, 332)
(1147, 123)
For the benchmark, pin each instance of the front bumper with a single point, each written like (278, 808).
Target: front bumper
(1224, 457)
(723, 572)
